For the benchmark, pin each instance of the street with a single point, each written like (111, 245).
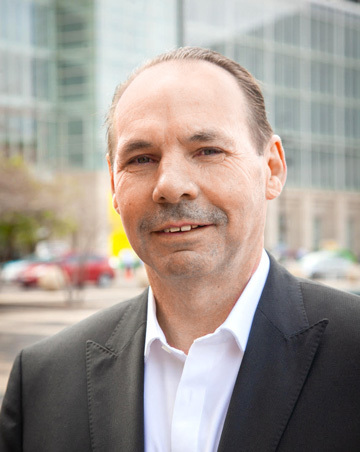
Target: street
(27, 316)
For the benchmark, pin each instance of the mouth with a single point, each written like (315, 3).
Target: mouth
(183, 228)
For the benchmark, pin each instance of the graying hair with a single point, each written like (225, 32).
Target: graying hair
(259, 127)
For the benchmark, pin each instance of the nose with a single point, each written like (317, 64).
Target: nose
(175, 182)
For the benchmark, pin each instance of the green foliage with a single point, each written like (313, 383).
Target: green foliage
(30, 210)
(17, 233)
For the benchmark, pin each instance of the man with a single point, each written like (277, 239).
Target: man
(226, 351)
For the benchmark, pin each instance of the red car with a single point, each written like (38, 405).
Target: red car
(79, 269)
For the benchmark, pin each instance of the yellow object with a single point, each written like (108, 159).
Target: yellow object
(117, 239)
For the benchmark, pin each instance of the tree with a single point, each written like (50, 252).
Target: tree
(30, 210)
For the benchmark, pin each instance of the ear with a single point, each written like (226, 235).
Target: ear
(115, 204)
(275, 158)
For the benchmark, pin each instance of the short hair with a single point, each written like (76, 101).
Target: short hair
(259, 127)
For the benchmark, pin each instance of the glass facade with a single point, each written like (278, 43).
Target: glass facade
(99, 43)
(127, 33)
(60, 61)
(27, 79)
(75, 83)
(307, 56)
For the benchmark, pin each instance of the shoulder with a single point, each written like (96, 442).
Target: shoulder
(326, 294)
(98, 328)
(318, 298)
(342, 309)
(300, 303)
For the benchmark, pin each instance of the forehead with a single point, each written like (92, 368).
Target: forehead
(187, 90)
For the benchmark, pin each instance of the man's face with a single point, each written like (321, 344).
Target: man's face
(187, 181)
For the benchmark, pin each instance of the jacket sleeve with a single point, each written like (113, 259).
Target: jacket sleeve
(11, 413)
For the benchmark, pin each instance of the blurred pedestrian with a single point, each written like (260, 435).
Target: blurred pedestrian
(128, 261)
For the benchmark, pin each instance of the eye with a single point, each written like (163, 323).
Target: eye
(210, 151)
(141, 160)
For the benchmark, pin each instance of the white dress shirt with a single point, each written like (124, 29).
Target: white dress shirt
(186, 397)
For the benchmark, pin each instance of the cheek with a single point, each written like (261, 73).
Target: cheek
(126, 190)
(133, 205)
(240, 176)
(127, 209)
(126, 201)
(244, 199)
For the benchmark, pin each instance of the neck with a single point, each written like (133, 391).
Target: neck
(191, 308)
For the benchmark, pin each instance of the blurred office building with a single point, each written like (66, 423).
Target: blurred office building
(60, 61)
(307, 56)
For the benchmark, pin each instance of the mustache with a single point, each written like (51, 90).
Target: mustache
(184, 210)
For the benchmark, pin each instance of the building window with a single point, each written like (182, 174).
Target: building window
(322, 77)
(287, 113)
(322, 118)
(287, 71)
(317, 232)
(75, 129)
(352, 82)
(352, 169)
(322, 35)
(293, 161)
(282, 228)
(72, 80)
(287, 30)
(350, 233)
(352, 123)
(252, 58)
(40, 69)
(72, 28)
(322, 167)
(352, 42)
(40, 15)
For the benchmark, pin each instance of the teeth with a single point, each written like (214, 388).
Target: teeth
(186, 228)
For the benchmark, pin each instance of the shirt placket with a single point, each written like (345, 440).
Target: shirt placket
(190, 399)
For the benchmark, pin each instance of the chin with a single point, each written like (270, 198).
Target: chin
(179, 267)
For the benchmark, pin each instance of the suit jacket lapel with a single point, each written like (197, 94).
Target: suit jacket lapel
(115, 378)
(280, 350)
(278, 357)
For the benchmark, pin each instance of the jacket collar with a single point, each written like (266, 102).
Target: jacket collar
(280, 350)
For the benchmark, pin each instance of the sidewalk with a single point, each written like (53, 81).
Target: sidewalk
(12, 295)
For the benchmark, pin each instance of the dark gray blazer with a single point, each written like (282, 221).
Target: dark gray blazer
(298, 388)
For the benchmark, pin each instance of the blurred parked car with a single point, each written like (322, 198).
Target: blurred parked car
(328, 264)
(11, 270)
(77, 269)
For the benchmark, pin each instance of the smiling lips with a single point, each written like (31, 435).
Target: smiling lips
(185, 228)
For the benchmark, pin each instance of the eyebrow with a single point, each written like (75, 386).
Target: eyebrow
(133, 145)
(202, 136)
(205, 135)
(208, 136)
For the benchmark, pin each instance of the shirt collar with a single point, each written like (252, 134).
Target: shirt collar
(240, 319)
(238, 322)
(153, 329)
